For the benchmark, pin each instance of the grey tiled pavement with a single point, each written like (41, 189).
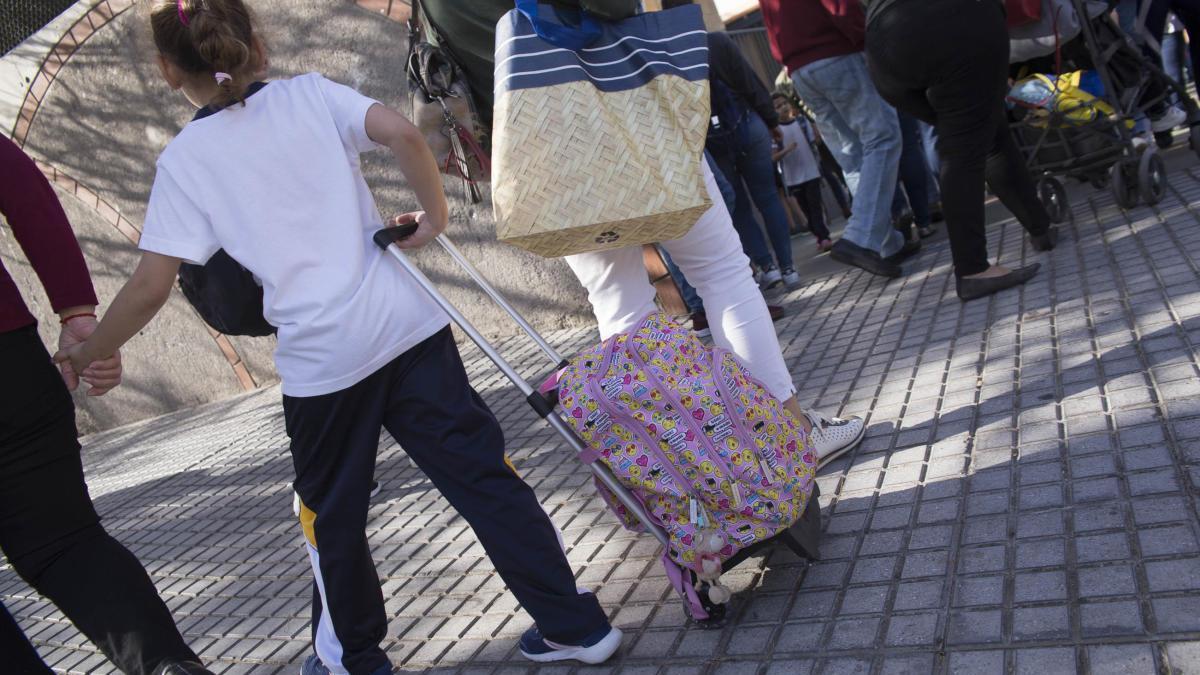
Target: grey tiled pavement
(1025, 501)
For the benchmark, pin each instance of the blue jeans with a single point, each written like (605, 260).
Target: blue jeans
(929, 140)
(1175, 60)
(862, 132)
(749, 169)
(690, 297)
(1127, 12)
(914, 175)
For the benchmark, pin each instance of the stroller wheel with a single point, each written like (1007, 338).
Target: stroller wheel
(1123, 182)
(1164, 139)
(1194, 138)
(1152, 177)
(1054, 197)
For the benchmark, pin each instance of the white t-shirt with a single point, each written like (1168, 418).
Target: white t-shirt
(799, 166)
(277, 184)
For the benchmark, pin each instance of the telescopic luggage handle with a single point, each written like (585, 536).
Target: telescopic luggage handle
(386, 239)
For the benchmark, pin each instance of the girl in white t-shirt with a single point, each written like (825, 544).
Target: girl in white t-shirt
(270, 173)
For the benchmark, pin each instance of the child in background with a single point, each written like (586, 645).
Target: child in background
(801, 171)
(270, 173)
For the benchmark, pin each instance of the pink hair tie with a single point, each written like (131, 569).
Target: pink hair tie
(182, 17)
(222, 77)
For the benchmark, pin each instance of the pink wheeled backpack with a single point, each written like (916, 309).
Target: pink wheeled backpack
(713, 459)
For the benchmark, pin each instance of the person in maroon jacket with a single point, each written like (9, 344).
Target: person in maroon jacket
(49, 529)
(821, 44)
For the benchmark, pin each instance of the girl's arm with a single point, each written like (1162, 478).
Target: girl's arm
(388, 127)
(776, 156)
(139, 300)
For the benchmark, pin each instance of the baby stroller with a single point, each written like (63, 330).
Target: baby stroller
(1080, 123)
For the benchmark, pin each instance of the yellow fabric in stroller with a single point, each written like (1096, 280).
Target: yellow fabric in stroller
(1046, 94)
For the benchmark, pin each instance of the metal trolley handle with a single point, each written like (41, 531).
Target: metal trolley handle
(386, 239)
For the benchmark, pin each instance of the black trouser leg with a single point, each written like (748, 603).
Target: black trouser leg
(334, 441)
(20, 658)
(50, 531)
(445, 427)
(424, 400)
(1011, 182)
(808, 195)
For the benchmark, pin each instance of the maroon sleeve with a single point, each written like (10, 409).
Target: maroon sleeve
(849, 19)
(40, 226)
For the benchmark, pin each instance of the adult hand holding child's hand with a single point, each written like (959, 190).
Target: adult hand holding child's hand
(72, 359)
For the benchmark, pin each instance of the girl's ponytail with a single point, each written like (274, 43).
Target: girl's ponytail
(209, 36)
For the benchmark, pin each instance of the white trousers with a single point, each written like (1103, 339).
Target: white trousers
(711, 258)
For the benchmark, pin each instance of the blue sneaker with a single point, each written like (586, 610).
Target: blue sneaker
(313, 666)
(595, 648)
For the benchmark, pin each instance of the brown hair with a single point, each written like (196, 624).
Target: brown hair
(209, 36)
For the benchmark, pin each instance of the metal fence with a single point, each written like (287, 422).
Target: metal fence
(21, 18)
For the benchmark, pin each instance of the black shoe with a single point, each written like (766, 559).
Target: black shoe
(904, 223)
(775, 311)
(909, 249)
(182, 668)
(935, 212)
(1044, 241)
(970, 289)
(849, 253)
(925, 231)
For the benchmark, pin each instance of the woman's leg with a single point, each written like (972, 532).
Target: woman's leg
(752, 241)
(960, 102)
(737, 313)
(617, 286)
(912, 170)
(758, 170)
(50, 531)
(1011, 182)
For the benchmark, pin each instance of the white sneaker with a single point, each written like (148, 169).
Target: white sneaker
(1173, 117)
(791, 279)
(833, 437)
(771, 278)
(594, 649)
